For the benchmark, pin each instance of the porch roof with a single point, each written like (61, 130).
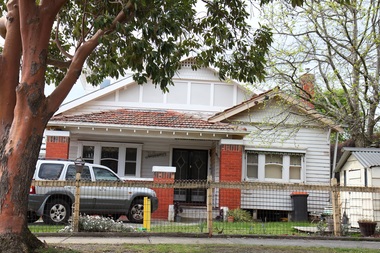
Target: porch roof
(158, 119)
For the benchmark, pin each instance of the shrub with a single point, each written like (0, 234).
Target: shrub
(89, 223)
(240, 215)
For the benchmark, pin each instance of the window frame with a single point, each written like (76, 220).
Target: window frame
(122, 155)
(286, 157)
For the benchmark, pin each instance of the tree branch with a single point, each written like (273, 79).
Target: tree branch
(80, 56)
(3, 29)
(58, 63)
(10, 63)
(56, 41)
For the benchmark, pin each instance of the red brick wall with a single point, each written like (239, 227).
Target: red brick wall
(230, 171)
(57, 147)
(165, 195)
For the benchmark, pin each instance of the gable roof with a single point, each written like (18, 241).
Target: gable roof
(157, 119)
(271, 94)
(124, 83)
(368, 157)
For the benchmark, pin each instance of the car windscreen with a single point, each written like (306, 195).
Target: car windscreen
(50, 171)
(102, 174)
(71, 172)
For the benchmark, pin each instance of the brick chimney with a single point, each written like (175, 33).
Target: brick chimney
(307, 88)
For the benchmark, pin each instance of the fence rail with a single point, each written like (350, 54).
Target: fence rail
(260, 208)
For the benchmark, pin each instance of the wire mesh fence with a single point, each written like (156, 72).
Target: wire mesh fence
(204, 207)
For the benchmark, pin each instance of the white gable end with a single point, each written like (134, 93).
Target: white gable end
(199, 90)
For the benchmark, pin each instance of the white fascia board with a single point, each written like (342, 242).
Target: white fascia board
(138, 127)
(231, 142)
(164, 169)
(57, 133)
(282, 150)
(96, 94)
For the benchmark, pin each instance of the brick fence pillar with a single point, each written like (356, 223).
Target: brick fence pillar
(57, 144)
(163, 175)
(230, 171)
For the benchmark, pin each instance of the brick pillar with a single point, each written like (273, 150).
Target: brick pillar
(57, 144)
(163, 175)
(230, 171)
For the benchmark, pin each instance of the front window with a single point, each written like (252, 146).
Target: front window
(274, 166)
(122, 158)
(295, 167)
(253, 166)
(130, 161)
(110, 157)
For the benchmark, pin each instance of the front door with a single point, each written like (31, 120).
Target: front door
(190, 165)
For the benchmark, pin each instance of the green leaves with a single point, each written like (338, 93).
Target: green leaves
(158, 34)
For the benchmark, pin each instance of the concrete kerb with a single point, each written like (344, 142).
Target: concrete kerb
(110, 238)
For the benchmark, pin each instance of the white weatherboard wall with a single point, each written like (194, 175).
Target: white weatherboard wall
(360, 205)
(297, 134)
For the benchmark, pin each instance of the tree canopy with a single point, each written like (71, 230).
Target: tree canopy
(151, 37)
(339, 44)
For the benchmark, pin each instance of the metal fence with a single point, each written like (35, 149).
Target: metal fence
(207, 207)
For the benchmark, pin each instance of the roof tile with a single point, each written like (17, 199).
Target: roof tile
(150, 118)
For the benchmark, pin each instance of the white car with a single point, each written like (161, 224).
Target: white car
(54, 204)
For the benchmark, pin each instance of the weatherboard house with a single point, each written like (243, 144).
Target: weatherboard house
(202, 127)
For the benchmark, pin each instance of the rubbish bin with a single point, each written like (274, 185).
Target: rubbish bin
(299, 203)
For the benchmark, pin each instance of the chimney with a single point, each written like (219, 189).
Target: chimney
(307, 88)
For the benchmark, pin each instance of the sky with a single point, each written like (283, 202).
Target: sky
(76, 91)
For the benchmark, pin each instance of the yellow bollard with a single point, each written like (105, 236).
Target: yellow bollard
(147, 214)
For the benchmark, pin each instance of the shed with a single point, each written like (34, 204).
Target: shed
(360, 167)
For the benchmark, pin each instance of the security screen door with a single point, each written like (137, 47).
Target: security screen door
(190, 165)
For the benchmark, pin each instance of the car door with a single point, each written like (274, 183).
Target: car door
(87, 193)
(109, 199)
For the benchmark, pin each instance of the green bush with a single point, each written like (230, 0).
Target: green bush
(240, 215)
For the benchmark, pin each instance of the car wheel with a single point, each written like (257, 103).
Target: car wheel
(32, 217)
(56, 212)
(136, 212)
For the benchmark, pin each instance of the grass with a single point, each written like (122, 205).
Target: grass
(256, 228)
(42, 228)
(235, 228)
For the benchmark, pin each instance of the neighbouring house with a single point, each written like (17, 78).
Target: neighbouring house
(202, 127)
(360, 167)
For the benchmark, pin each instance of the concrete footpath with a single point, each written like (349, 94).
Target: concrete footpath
(302, 242)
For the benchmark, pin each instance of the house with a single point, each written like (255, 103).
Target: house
(360, 167)
(202, 127)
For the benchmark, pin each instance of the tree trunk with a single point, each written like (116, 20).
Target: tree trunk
(18, 155)
(20, 243)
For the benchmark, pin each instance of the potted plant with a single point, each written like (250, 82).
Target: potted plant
(367, 227)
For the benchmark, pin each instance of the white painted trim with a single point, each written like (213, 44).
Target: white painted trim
(96, 94)
(231, 142)
(164, 169)
(283, 150)
(80, 125)
(57, 133)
